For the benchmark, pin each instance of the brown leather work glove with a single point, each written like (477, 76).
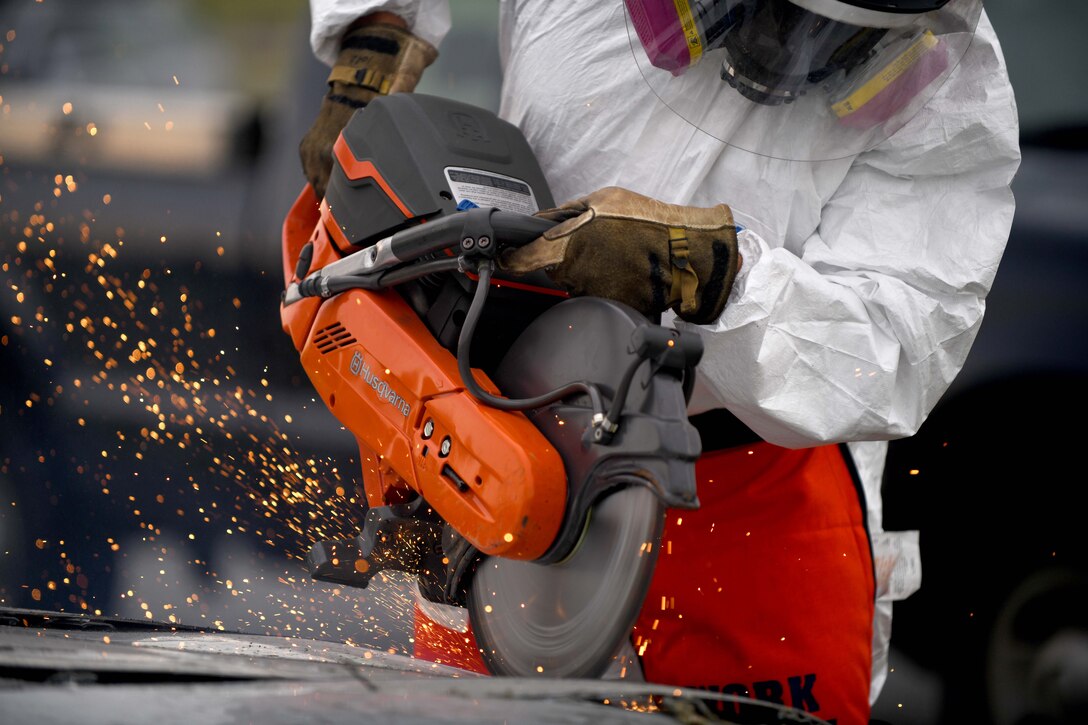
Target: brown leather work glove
(630, 248)
(375, 58)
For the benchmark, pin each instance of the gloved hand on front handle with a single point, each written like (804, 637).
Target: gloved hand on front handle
(630, 248)
(375, 59)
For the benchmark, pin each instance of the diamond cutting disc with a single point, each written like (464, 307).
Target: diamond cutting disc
(569, 619)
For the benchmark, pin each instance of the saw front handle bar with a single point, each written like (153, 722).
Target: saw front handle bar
(472, 228)
(445, 244)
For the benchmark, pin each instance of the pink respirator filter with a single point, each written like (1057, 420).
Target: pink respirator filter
(661, 34)
(892, 89)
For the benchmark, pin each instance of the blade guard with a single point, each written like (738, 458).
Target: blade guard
(590, 338)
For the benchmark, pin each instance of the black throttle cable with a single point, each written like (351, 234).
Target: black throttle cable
(464, 341)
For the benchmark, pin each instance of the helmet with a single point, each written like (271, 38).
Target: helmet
(861, 67)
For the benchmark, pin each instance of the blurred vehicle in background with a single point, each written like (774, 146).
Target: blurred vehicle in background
(139, 104)
(998, 633)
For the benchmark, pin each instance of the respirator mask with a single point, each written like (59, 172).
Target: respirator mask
(856, 69)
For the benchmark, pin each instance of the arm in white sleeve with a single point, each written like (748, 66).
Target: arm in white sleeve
(428, 20)
(858, 335)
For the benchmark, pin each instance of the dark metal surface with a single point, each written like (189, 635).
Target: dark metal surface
(124, 675)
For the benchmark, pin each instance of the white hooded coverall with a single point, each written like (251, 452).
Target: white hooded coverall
(864, 279)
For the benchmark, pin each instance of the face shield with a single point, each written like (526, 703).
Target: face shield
(818, 79)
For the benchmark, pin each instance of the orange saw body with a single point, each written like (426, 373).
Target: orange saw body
(519, 448)
(386, 378)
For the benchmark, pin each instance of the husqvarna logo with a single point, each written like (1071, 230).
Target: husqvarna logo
(381, 387)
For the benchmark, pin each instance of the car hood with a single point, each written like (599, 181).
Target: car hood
(60, 668)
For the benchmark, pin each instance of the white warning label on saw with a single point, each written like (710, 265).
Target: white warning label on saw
(487, 189)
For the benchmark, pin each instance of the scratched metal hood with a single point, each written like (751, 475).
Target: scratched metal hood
(63, 668)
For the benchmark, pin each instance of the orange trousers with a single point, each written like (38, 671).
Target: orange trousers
(766, 591)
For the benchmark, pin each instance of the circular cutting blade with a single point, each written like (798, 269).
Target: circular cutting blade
(568, 619)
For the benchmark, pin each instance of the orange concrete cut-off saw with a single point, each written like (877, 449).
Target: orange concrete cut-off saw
(519, 447)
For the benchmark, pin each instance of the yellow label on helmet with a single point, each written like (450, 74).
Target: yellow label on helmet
(886, 75)
(691, 32)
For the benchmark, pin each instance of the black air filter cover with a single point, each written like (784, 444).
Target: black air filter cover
(429, 153)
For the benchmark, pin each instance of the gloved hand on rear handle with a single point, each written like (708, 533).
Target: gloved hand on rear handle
(376, 58)
(630, 248)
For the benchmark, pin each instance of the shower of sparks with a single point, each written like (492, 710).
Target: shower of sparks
(106, 338)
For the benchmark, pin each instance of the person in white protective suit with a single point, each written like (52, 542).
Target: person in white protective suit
(820, 189)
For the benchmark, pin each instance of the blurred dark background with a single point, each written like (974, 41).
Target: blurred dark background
(163, 456)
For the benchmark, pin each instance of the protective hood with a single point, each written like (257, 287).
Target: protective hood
(803, 80)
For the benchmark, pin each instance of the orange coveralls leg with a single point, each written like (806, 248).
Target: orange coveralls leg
(767, 589)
